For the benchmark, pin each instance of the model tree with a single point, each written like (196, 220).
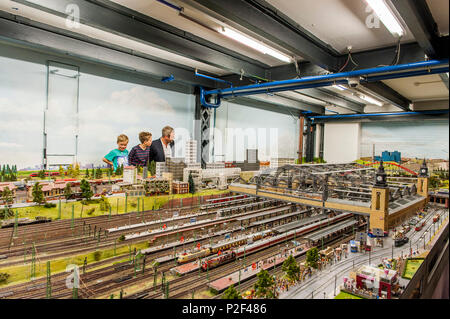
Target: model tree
(93, 173)
(38, 194)
(98, 173)
(111, 171)
(61, 171)
(119, 170)
(104, 204)
(291, 268)
(152, 168)
(86, 191)
(231, 293)
(70, 170)
(265, 284)
(41, 174)
(7, 196)
(191, 184)
(76, 172)
(68, 191)
(87, 173)
(312, 256)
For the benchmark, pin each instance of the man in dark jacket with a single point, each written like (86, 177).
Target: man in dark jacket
(162, 147)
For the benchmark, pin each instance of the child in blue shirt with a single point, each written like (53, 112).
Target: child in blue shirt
(118, 156)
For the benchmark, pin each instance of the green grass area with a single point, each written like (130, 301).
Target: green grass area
(117, 206)
(18, 274)
(412, 264)
(345, 295)
(26, 174)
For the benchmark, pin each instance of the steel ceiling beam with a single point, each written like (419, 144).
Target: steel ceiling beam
(33, 37)
(419, 20)
(111, 17)
(262, 21)
(333, 98)
(385, 93)
(444, 78)
(288, 102)
(274, 105)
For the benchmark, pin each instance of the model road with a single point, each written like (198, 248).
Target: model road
(322, 284)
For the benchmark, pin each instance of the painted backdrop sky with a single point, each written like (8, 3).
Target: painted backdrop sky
(421, 139)
(107, 108)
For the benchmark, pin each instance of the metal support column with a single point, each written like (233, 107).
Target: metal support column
(310, 139)
(322, 139)
(300, 139)
(202, 123)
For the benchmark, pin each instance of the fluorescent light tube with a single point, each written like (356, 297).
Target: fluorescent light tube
(386, 16)
(370, 100)
(254, 44)
(339, 87)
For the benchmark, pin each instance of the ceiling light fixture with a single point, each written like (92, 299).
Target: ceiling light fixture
(370, 100)
(340, 87)
(254, 44)
(386, 16)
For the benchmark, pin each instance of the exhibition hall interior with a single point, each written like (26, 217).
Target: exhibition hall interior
(239, 149)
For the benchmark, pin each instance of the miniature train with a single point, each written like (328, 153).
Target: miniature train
(25, 221)
(222, 247)
(255, 242)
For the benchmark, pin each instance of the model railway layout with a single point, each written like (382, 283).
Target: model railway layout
(216, 232)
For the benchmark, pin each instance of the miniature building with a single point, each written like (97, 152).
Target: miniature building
(168, 176)
(191, 152)
(380, 281)
(386, 156)
(176, 167)
(53, 190)
(276, 162)
(264, 164)
(215, 165)
(157, 186)
(11, 187)
(210, 177)
(245, 167)
(228, 164)
(194, 165)
(196, 175)
(180, 187)
(130, 174)
(135, 190)
(252, 155)
(251, 162)
(160, 168)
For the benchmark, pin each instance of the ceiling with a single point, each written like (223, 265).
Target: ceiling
(317, 35)
(420, 88)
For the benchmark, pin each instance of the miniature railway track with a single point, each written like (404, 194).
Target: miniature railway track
(249, 283)
(190, 281)
(23, 290)
(82, 245)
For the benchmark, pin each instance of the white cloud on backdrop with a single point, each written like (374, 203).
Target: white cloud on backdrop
(107, 108)
(413, 138)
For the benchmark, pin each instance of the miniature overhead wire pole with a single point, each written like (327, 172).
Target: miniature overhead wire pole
(49, 282)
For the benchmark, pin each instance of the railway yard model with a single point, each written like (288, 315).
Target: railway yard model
(197, 150)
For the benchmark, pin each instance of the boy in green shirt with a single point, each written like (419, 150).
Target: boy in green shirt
(118, 156)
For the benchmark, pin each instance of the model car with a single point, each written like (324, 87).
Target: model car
(419, 226)
(401, 241)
